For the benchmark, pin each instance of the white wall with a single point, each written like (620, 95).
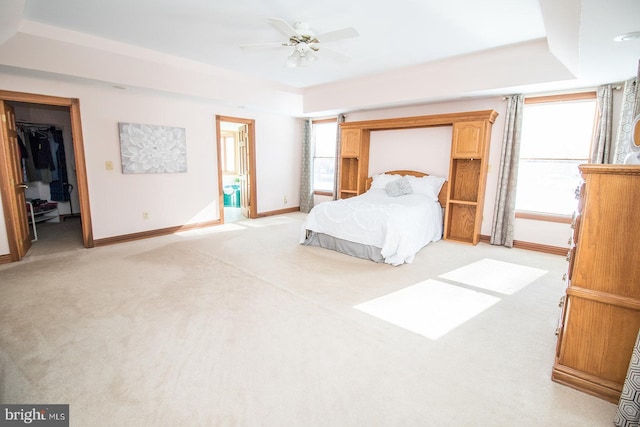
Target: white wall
(430, 150)
(542, 232)
(279, 154)
(117, 200)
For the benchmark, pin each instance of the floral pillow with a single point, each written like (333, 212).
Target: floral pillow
(399, 187)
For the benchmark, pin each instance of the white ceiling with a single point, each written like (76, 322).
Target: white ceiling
(405, 32)
(393, 35)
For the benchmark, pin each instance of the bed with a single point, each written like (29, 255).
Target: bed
(399, 214)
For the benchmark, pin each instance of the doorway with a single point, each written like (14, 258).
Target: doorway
(46, 144)
(20, 110)
(236, 168)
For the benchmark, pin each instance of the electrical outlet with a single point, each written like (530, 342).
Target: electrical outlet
(285, 200)
(145, 215)
(108, 165)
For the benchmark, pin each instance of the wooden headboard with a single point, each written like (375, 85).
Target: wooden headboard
(442, 196)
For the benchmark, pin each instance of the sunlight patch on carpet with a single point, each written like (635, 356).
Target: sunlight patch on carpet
(430, 308)
(265, 222)
(498, 276)
(210, 230)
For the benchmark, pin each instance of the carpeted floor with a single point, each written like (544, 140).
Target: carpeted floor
(238, 325)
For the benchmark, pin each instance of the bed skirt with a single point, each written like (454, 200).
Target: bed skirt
(344, 246)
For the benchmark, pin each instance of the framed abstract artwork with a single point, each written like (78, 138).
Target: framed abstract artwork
(152, 149)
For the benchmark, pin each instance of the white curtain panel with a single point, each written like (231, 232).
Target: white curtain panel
(629, 111)
(504, 216)
(601, 146)
(306, 180)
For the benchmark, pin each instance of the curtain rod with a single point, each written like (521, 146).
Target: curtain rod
(616, 87)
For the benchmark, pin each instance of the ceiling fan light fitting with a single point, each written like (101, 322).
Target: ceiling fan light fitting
(294, 59)
(301, 58)
(307, 59)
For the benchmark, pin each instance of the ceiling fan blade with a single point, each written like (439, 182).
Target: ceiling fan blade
(336, 35)
(284, 27)
(335, 54)
(252, 46)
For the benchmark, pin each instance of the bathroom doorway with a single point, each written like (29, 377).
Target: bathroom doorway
(236, 168)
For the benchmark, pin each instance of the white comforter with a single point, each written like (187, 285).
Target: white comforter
(400, 226)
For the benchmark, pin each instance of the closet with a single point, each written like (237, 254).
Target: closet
(47, 159)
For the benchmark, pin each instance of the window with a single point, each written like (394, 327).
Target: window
(324, 157)
(228, 152)
(556, 138)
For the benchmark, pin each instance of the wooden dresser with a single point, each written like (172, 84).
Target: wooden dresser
(601, 307)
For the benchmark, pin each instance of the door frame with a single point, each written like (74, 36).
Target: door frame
(253, 207)
(9, 203)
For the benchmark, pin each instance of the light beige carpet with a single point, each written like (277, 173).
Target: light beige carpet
(238, 325)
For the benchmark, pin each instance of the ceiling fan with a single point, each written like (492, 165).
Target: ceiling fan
(305, 43)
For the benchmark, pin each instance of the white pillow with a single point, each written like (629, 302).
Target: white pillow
(381, 180)
(427, 185)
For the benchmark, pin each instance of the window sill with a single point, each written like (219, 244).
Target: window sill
(539, 216)
(323, 193)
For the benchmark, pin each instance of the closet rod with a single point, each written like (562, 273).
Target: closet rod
(36, 125)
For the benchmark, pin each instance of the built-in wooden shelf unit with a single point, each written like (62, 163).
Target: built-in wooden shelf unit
(467, 172)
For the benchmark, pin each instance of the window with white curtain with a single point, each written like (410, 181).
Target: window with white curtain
(556, 138)
(324, 156)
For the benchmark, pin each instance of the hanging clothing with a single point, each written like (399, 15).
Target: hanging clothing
(38, 159)
(41, 150)
(23, 148)
(58, 186)
(32, 173)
